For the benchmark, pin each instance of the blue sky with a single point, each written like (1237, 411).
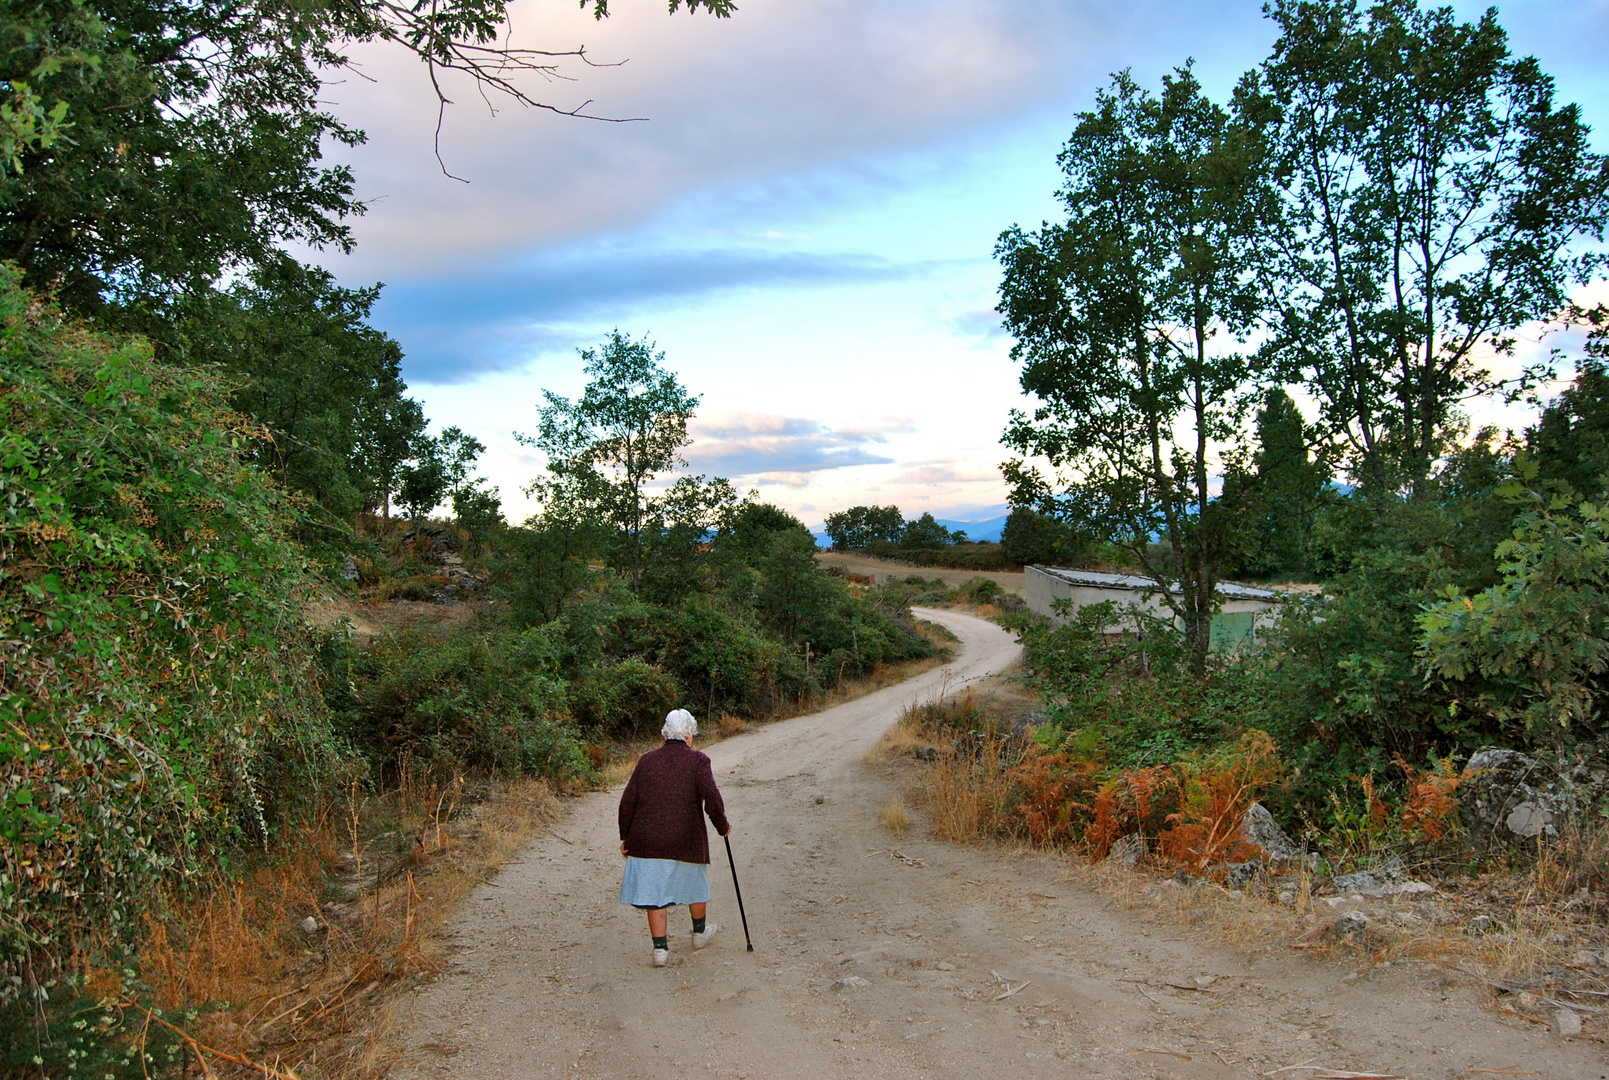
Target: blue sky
(804, 223)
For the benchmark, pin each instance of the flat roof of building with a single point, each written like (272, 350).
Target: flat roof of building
(1136, 582)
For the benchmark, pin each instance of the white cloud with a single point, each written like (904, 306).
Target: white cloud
(783, 449)
(769, 96)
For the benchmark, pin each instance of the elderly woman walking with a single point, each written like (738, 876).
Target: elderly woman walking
(662, 833)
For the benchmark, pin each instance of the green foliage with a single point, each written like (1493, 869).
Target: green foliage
(1570, 443)
(1031, 538)
(925, 533)
(194, 135)
(152, 146)
(440, 470)
(1126, 318)
(1531, 651)
(308, 367)
(862, 526)
(1435, 198)
(479, 513)
(74, 1034)
(913, 589)
(1277, 505)
(628, 427)
(980, 590)
(485, 699)
(1116, 697)
(160, 693)
(966, 555)
(881, 531)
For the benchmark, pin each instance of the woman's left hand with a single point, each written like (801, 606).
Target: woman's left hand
(622, 849)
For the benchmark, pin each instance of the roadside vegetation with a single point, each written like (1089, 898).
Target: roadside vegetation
(1436, 709)
(270, 799)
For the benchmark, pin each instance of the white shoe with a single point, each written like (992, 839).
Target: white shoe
(701, 940)
(661, 957)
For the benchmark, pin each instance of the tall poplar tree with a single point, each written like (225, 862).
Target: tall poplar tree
(1436, 199)
(1128, 318)
(628, 427)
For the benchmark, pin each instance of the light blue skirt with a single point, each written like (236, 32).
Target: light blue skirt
(657, 883)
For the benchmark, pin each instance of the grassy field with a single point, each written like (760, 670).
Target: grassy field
(883, 569)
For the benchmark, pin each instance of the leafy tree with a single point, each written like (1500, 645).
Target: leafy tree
(1570, 442)
(479, 512)
(1120, 315)
(1282, 498)
(750, 522)
(1435, 198)
(194, 146)
(679, 526)
(793, 590)
(628, 427)
(863, 526)
(925, 533)
(151, 146)
(1030, 537)
(440, 470)
(308, 367)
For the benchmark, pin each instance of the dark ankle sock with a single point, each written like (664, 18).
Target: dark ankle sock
(662, 942)
(698, 926)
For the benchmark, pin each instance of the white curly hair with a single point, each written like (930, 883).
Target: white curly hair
(679, 725)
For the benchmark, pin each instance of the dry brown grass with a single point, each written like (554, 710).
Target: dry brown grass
(967, 792)
(901, 740)
(319, 1004)
(896, 818)
(965, 789)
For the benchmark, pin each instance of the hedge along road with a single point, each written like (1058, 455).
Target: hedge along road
(909, 958)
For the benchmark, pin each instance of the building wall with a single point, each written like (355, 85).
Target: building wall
(1238, 619)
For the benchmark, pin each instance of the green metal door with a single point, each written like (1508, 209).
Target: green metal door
(1231, 630)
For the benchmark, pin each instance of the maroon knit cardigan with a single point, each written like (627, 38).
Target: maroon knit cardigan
(659, 810)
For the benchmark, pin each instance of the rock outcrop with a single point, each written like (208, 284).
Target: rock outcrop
(1507, 797)
(1260, 828)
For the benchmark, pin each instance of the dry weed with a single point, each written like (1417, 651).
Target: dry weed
(969, 790)
(901, 740)
(896, 818)
(317, 1002)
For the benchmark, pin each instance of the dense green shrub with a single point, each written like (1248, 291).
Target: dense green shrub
(982, 555)
(488, 698)
(1530, 655)
(160, 693)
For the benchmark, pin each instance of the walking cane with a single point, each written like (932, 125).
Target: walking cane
(730, 862)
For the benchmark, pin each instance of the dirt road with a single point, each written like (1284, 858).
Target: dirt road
(926, 961)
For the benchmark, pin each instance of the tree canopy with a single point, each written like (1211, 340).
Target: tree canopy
(1128, 318)
(1435, 198)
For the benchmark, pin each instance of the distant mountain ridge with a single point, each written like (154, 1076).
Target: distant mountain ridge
(988, 529)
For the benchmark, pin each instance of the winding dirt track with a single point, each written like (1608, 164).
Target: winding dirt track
(551, 975)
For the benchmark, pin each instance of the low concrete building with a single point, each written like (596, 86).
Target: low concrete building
(1243, 609)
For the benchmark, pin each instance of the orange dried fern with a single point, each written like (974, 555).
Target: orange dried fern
(1215, 796)
(1429, 803)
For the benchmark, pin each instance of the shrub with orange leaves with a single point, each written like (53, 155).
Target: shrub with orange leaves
(1053, 793)
(1215, 794)
(1428, 805)
(1191, 808)
(1138, 801)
